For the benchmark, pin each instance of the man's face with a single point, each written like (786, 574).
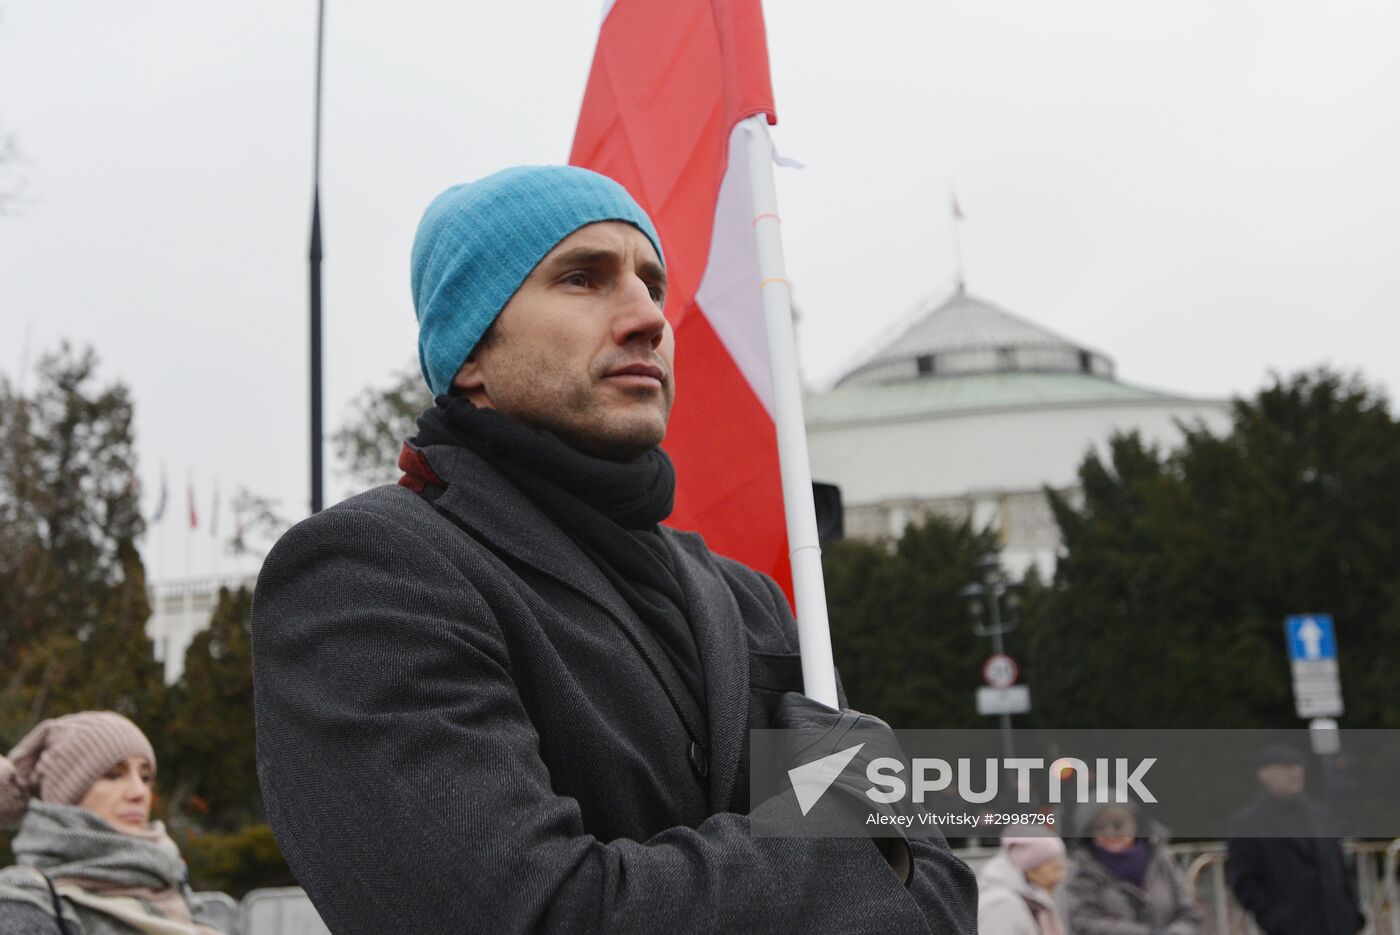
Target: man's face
(582, 348)
(1282, 780)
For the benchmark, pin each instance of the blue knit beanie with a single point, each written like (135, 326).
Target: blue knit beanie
(478, 242)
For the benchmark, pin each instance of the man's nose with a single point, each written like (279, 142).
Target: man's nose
(638, 318)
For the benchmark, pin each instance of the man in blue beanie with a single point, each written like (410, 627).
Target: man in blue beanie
(589, 355)
(500, 696)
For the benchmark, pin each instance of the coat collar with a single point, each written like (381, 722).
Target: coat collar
(480, 499)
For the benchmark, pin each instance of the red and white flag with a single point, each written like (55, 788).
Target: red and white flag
(194, 517)
(670, 83)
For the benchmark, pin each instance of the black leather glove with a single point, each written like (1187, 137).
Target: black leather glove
(817, 731)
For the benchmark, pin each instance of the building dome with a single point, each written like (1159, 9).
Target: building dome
(971, 413)
(966, 335)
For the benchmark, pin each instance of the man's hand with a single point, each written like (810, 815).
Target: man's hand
(819, 731)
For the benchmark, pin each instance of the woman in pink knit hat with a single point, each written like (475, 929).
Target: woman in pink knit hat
(1016, 887)
(89, 859)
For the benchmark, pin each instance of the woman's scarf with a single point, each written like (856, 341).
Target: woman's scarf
(138, 873)
(1129, 865)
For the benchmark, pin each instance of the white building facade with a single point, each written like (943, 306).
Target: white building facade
(180, 611)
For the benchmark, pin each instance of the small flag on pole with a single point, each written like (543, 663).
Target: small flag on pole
(214, 513)
(194, 517)
(159, 513)
(958, 216)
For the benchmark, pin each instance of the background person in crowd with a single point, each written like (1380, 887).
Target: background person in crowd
(1342, 794)
(1123, 881)
(89, 859)
(531, 699)
(1016, 888)
(1285, 864)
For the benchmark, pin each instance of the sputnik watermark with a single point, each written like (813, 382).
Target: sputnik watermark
(1201, 783)
(1111, 781)
(945, 820)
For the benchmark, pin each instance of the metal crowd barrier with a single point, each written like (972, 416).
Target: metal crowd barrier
(288, 911)
(1377, 888)
(284, 910)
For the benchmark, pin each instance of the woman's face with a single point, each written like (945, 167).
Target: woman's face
(122, 797)
(1115, 830)
(1048, 875)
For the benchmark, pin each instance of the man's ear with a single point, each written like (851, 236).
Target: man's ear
(470, 382)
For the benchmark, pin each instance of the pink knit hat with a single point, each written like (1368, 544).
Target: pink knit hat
(59, 760)
(1030, 852)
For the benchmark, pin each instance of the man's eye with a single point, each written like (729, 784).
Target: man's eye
(577, 279)
(658, 294)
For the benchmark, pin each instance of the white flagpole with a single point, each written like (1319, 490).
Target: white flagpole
(813, 628)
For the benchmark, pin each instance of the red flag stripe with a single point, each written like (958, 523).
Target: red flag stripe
(668, 85)
(726, 454)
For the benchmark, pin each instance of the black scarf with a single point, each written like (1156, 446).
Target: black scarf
(610, 509)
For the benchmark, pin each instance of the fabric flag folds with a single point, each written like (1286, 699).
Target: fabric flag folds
(159, 512)
(669, 85)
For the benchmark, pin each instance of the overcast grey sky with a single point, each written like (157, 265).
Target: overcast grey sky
(1204, 190)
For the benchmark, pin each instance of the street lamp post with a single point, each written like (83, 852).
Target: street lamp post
(985, 598)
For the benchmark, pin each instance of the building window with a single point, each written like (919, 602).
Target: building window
(925, 364)
(1086, 362)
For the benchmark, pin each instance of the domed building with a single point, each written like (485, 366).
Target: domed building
(970, 413)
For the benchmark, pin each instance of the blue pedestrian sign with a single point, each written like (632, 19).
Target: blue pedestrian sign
(1310, 637)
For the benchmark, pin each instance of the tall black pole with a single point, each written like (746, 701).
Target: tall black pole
(315, 256)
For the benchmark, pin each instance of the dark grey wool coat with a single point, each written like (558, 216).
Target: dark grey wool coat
(1292, 886)
(462, 727)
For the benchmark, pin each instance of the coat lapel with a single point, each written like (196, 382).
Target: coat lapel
(506, 521)
(723, 645)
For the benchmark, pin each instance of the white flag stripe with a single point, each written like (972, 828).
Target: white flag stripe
(729, 295)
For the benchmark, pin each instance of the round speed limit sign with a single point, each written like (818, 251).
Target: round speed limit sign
(1000, 671)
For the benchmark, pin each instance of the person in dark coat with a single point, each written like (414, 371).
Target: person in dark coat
(1123, 880)
(1284, 862)
(500, 696)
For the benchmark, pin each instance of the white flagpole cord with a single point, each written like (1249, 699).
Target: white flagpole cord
(809, 588)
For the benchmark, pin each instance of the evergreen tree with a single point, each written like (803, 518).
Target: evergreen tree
(209, 761)
(900, 632)
(72, 592)
(1168, 607)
